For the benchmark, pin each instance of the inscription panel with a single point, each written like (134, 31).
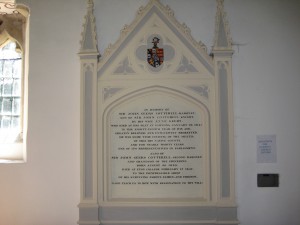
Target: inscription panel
(157, 149)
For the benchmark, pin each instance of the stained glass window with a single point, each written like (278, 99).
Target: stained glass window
(10, 93)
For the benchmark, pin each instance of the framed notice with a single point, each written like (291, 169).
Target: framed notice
(266, 149)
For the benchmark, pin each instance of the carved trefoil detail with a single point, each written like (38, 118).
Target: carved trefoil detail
(202, 90)
(124, 67)
(186, 66)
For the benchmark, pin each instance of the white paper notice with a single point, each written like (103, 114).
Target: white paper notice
(266, 149)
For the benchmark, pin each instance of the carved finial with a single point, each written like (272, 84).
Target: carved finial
(89, 37)
(220, 4)
(222, 39)
(90, 4)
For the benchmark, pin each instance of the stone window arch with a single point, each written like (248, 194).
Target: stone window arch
(14, 22)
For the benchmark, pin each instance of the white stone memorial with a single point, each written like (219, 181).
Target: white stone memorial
(156, 124)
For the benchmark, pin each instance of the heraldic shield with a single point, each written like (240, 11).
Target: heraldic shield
(155, 55)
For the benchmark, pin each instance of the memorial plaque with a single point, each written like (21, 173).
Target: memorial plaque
(157, 140)
(156, 148)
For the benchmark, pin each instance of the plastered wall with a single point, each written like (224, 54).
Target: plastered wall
(45, 190)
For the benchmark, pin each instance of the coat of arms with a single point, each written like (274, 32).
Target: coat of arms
(155, 55)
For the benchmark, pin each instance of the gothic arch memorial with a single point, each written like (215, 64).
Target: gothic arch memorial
(157, 124)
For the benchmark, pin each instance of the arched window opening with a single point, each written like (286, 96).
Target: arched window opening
(14, 41)
(10, 93)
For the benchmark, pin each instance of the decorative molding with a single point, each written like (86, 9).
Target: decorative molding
(222, 64)
(88, 43)
(108, 92)
(13, 23)
(182, 27)
(88, 67)
(222, 27)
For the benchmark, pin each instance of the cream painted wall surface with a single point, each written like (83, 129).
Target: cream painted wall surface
(45, 190)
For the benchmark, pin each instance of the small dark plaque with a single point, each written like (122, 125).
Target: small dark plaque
(267, 180)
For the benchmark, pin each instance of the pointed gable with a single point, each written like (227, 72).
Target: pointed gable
(182, 53)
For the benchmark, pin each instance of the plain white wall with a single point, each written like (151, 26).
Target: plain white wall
(266, 72)
(266, 65)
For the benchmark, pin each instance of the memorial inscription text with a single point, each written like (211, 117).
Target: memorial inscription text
(158, 148)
